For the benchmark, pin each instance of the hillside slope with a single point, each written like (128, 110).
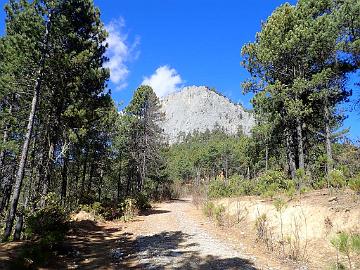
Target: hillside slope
(197, 108)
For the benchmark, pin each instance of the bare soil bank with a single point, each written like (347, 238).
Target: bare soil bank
(301, 230)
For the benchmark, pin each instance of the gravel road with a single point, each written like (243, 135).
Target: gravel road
(167, 238)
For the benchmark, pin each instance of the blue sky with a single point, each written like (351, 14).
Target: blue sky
(175, 43)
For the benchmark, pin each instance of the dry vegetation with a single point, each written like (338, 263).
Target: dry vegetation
(308, 229)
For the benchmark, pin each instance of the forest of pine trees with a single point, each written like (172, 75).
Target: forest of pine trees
(61, 132)
(63, 137)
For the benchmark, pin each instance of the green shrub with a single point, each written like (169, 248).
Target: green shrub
(247, 188)
(129, 208)
(111, 212)
(341, 242)
(291, 191)
(50, 224)
(219, 213)
(87, 198)
(268, 184)
(354, 184)
(178, 189)
(261, 227)
(269, 193)
(218, 189)
(355, 243)
(215, 212)
(209, 209)
(142, 201)
(337, 266)
(234, 186)
(31, 256)
(337, 179)
(96, 208)
(319, 184)
(347, 244)
(272, 182)
(304, 190)
(279, 204)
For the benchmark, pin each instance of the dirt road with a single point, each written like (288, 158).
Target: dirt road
(168, 238)
(172, 235)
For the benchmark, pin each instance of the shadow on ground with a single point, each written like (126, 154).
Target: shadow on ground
(171, 250)
(93, 246)
(153, 211)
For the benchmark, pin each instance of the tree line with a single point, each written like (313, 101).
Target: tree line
(63, 136)
(300, 64)
(61, 132)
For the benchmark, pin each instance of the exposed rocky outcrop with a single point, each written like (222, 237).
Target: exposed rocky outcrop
(200, 109)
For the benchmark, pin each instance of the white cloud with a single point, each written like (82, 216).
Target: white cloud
(120, 52)
(164, 81)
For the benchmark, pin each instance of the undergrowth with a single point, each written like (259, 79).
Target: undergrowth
(125, 209)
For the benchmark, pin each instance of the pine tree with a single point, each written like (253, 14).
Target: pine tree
(289, 61)
(145, 136)
(64, 47)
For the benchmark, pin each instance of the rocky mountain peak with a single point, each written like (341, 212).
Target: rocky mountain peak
(197, 108)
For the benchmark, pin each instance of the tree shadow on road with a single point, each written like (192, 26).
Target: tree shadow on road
(172, 250)
(94, 246)
(166, 250)
(153, 211)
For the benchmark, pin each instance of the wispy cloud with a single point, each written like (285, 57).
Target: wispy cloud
(164, 81)
(120, 52)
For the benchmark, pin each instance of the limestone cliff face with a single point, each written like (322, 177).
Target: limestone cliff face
(198, 108)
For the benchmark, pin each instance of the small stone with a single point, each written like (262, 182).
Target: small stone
(28, 262)
(116, 254)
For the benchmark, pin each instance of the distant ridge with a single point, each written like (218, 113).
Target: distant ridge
(197, 108)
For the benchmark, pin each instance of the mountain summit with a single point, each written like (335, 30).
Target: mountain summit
(197, 108)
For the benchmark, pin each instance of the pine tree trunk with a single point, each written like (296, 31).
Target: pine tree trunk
(47, 173)
(22, 163)
(119, 186)
(143, 174)
(20, 221)
(300, 142)
(139, 180)
(100, 183)
(2, 153)
(226, 168)
(119, 181)
(329, 160)
(83, 179)
(91, 174)
(5, 197)
(128, 183)
(197, 176)
(5, 139)
(76, 184)
(25, 149)
(18, 227)
(7, 190)
(64, 175)
(266, 157)
(290, 154)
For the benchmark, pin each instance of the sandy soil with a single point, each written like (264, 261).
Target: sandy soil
(308, 223)
(172, 235)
